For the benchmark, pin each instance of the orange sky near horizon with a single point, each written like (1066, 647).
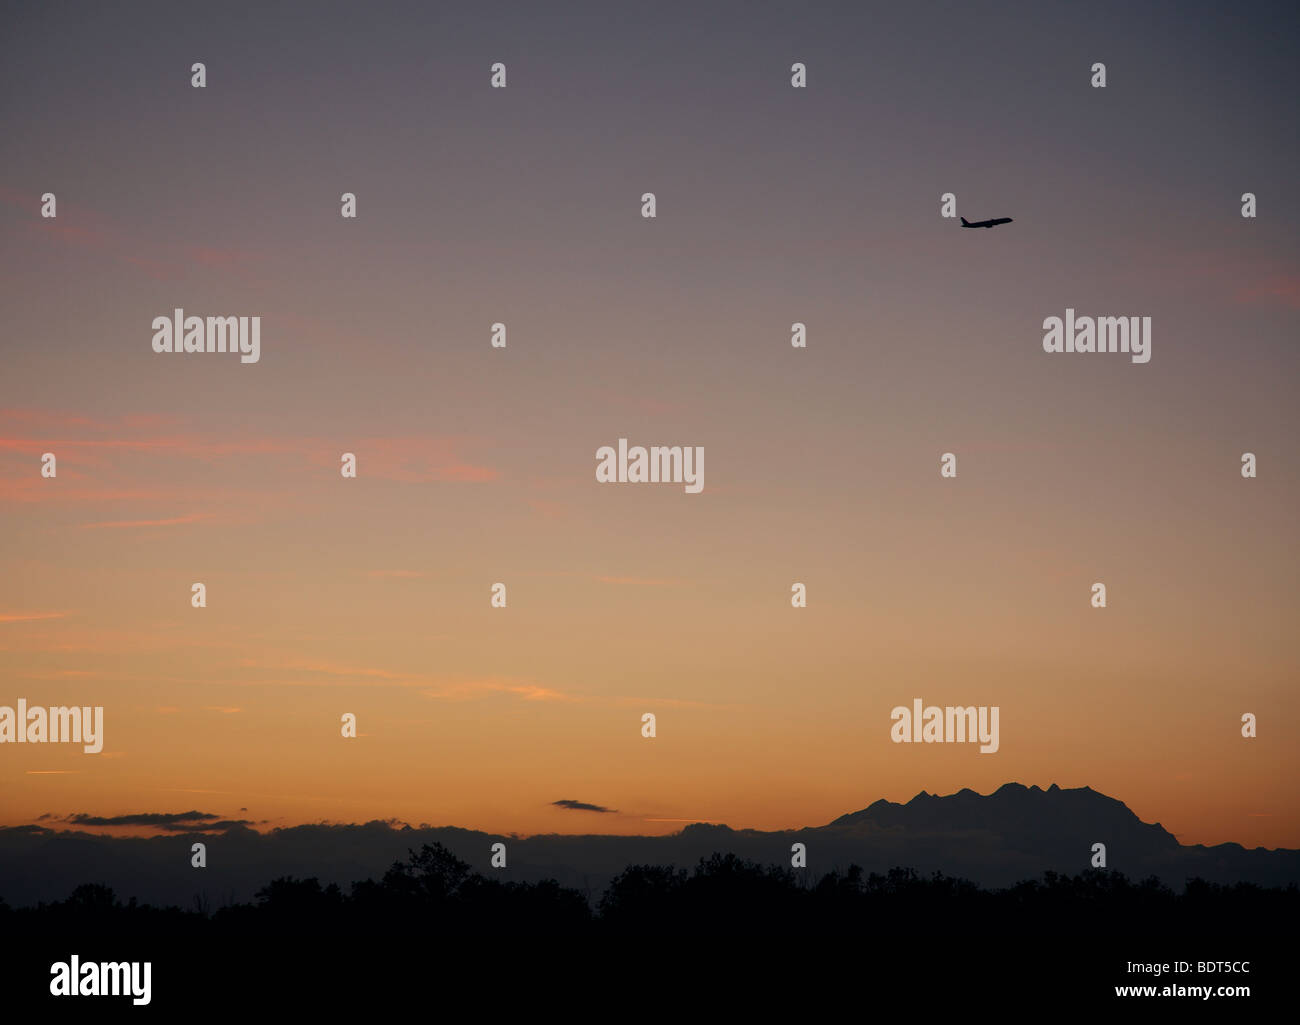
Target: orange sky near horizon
(620, 601)
(477, 465)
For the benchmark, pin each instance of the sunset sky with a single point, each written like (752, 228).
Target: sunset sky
(476, 465)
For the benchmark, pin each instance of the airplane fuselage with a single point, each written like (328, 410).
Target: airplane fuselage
(985, 224)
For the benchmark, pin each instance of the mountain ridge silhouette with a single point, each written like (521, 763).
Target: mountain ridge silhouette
(1017, 832)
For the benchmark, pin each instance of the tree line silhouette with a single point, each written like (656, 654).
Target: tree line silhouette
(723, 895)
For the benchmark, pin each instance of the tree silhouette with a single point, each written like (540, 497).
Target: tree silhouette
(433, 891)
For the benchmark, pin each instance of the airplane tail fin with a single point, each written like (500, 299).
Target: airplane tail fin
(965, 223)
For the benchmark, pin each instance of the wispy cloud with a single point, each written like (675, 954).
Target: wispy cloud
(648, 819)
(317, 667)
(406, 459)
(171, 522)
(27, 617)
(84, 446)
(1233, 272)
(90, 231)
(61, 674)
(470, 689)
(642, 581)
(1278, 289)
(454, 688)
(328, 674)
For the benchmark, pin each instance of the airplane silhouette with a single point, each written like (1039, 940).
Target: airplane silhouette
(985, 224)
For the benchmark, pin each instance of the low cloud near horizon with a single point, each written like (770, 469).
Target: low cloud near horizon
(583, 806)
(173, 822)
